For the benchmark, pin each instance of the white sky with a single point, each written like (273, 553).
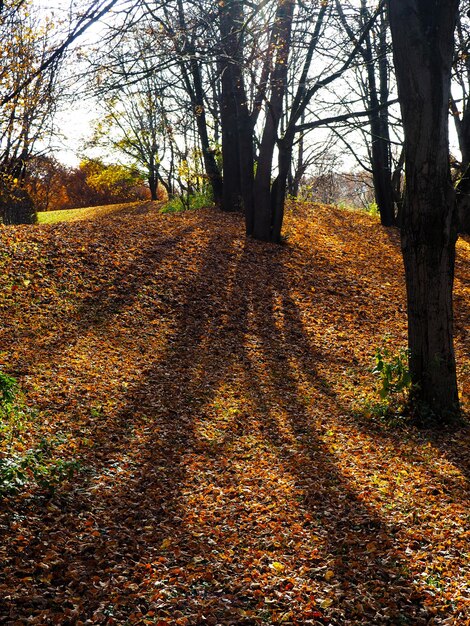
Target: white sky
(75, 121)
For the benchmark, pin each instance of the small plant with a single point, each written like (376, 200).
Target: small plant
(13, 416)
(36, 466)
(393, 372)
(8, 391)
(394, 386)
(373, 209)
(185, 202)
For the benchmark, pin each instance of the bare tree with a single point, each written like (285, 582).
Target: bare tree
(460, 110)
(423, 44)
(375, 88)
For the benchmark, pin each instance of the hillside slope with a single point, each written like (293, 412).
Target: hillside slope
(211, 395)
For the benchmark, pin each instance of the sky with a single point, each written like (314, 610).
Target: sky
(75, 121)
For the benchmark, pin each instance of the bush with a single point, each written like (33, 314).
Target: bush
(393, 372)
(187, 202)
(393, 387)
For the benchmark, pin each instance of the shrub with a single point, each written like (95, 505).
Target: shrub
(186, 202)
(393, 387)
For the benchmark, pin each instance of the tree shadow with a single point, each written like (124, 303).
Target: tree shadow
(169, 523)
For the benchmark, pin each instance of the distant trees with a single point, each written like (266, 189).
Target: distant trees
(423, 44)
(52, 186)
(136, 119)
(27, 117)
(32, 49)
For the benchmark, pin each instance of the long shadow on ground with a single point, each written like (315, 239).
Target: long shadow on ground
(214, 495)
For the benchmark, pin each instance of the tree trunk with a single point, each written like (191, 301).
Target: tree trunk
(263, 217)
(153, 185)
(278, 192)
(237, 128)
(378, 119)
(208, 155)
(422, 34)
(229, 32)
(153, 177)
(192, 78)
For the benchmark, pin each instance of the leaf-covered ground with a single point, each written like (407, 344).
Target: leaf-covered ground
(207, 390)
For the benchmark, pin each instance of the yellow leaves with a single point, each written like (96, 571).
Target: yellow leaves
(166, 543)
(277, 567)
(222, 494)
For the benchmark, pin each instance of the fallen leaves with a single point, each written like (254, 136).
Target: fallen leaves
(206, 383)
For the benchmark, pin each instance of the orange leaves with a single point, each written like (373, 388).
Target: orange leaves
(205, 384)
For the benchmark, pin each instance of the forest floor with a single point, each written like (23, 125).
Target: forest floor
(198, 440)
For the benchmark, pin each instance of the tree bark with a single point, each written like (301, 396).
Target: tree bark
(381, 156)
(265, 196)
(422, 34)
(153, 185)
(192, 78)
(229, 61)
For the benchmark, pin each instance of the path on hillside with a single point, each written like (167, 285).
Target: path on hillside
(205, 384)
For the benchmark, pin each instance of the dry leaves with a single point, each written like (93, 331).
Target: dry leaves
(205, 383)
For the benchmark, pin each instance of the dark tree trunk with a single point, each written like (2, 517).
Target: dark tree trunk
(422, 34)
(237, 128)
(228, 61)
(232, 200)
(208, 155)
(266, 222)
(167, 186)
(192, 78)
(294, 184)
(461, 116)
(279, 188)
(378, 119)
(153, 178)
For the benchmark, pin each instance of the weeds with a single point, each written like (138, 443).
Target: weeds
(187, 202)
(393, 386)
(35, 466)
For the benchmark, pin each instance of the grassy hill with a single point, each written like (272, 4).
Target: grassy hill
(200, 439)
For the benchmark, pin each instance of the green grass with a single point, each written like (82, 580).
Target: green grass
(74, 215)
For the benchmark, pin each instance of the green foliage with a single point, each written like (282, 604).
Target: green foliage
(35, 466)
(393, 372)
(186, 202)
(373, 209)
(394, 385)
(13, 416)
(110, 179)
(8, 390)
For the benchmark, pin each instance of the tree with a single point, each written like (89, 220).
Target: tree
(375, 87)
(94, 183)
(282, 95)
(460, 109)
(136, 118)
(187, 48)
(423, 42)
(45, 183)
(236, 122)
(26, 118)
